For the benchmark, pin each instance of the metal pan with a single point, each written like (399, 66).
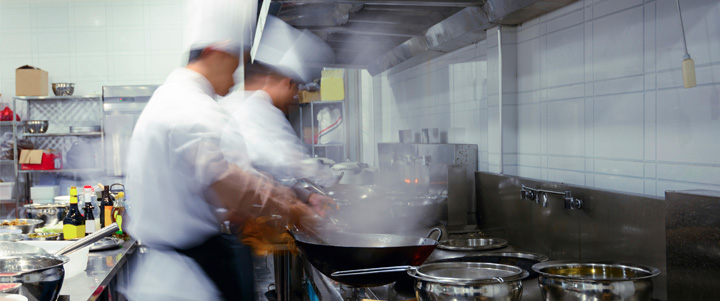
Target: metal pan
(339, 251)
(41, 274)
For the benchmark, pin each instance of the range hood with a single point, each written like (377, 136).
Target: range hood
(397, 34)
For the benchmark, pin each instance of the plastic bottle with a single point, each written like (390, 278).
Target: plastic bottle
(74, 222)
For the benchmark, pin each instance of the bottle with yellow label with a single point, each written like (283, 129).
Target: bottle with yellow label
(74, 222)
(106, 208)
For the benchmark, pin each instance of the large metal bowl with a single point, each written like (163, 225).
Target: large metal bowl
(468, 281)
(581, 280)
(49, 214)
(28, 227)
(63, 89)
(36, 126)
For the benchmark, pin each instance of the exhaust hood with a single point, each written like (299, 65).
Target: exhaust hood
(381, 35)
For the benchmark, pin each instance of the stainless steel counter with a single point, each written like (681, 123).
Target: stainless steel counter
(102, 268)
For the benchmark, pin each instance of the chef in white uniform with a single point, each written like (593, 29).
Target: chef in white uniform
(271, 86)
(179, 180)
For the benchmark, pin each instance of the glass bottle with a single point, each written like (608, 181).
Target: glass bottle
(74, 222)
(106, 208)
(119, 214)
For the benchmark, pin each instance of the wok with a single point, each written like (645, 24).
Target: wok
(339, 251)
(41, 274)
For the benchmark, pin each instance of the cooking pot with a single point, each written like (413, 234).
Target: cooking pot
(459, 280)
(50, 214)
(40, 274)
(583, 280)
(353, 173)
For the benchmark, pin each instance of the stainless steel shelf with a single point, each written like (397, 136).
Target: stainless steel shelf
(91, 134)
(91, 97)
(94, 170)
(3, 162)
(10, 123)
(328, 145)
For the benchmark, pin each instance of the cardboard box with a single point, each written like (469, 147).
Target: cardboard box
(40, 159)
(332, 85)
(31, 81)
(307, 96)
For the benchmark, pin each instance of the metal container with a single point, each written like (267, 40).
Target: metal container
(63, 89)
(49, 214)
(28, 226)
(468, 281)
(36, 126)
(84, 129)
(41, 275)
(577, 280)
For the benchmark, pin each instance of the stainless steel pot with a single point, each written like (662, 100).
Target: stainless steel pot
(458, 280)
(40, 274)
(50, 214)
(578, 280)
(468, 281)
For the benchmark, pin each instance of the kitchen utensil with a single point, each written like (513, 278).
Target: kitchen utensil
(26, 226)
(49, 214)
(472, 244)
(588, 280)
(349, 251)
(43, 236)
(106, 243)
(74, 129)
(63, 89)
(41, 274)
(525, 261)
(458, 280)
(36, 126)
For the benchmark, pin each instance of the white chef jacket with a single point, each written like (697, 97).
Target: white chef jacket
(173, 158)
(272, 144)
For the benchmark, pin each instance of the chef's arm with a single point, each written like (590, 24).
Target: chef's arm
(249, 195)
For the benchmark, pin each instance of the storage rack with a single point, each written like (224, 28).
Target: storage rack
(334, 151)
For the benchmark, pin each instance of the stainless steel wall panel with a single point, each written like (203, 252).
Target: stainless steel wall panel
(611, 225)
(693, 244)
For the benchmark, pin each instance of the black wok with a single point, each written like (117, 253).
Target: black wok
(339, 251)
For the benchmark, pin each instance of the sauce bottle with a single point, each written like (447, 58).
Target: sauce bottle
(106, 208)
(119, 213)
(74, 222)
(91, 224)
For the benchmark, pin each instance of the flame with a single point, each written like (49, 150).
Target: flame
(407, 181)
(416, 181)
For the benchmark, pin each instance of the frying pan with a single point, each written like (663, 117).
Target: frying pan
(338, 251)
(41, 274)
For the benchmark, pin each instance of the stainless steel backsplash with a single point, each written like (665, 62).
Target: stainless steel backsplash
(611, 226)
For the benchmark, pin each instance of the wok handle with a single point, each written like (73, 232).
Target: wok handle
(88, 240)
(439, 234)
(393, 269)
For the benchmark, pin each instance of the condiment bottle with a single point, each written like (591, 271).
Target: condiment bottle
(106, 208)
(119, 213)
(74, 222)
(91, 224)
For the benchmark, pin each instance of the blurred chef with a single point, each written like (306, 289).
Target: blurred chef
(178, 178)
(283, 60)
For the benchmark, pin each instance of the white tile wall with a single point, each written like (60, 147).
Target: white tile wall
(91, 43)
(599, 97)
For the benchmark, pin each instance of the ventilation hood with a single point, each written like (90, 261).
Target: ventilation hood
(381, 35)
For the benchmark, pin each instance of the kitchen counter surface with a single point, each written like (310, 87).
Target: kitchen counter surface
(102, 267)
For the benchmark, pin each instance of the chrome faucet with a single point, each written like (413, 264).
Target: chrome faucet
(540, 197)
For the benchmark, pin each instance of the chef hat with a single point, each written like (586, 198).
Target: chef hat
(226, 25)
(297, 54)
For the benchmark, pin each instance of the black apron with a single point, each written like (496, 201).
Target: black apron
(228, 263)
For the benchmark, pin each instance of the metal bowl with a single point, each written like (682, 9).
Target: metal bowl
(43, 236)
(63, 89)
(11, 237)
(579, 280)
(29, 227)
(468, 281)
(36, 126)
(472, 244)
(49, 214)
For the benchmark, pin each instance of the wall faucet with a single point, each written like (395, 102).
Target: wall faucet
(540, 196)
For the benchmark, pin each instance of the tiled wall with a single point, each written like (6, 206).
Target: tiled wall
(91, 42)
(594, 97)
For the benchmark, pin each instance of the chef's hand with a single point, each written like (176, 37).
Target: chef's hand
(321, 203)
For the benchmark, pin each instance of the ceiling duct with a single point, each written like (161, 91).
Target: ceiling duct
(399, 34)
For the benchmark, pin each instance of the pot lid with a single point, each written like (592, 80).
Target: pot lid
(468, 273)
(472, 244)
